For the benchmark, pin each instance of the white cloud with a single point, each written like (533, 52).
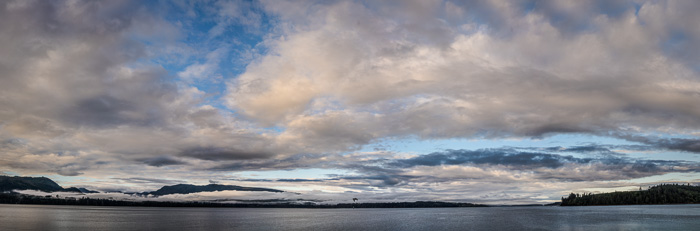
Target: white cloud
(532, 81)
(208, 70)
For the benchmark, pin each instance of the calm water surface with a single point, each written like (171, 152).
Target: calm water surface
(53, 217)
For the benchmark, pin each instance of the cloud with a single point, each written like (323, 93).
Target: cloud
(216, 153)
(286, 163)
(366, 72)
(163, 161)
(491, 156)
(678, 144)
(71, 71)
(61, 47)
(298, 180)
(207, 70)
(150, 180)
(77, 89)
(245, 13)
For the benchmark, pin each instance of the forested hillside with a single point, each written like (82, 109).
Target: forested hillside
(660, 194)
(9, 183)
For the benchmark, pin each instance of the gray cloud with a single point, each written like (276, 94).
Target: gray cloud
(574, 16)
(298, 180)
(491, 156)
(677, 144)
(150, 180)
(163, 161)
(222, 153)
(74, 80)
(69, 74)
(528, 160)
(101, 111)
(70, 170)
(591, 148)
(283, 180)
(287, 163)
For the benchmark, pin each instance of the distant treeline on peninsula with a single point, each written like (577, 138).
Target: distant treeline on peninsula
(17, 198)
(659, 194)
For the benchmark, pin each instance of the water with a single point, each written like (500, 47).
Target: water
(52, 217)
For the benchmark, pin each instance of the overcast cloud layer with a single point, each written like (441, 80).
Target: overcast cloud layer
(130, 96)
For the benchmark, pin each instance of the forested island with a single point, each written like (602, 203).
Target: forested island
(659, 194)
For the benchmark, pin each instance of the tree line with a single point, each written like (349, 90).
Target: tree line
(659, 194)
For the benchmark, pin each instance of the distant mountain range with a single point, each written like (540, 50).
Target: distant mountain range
(9, 183)
(81, 190)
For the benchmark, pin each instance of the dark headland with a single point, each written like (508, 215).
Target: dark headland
(659, 194)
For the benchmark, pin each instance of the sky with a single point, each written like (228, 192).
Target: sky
(485, 101)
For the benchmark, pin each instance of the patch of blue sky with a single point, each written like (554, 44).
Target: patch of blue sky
(660, 154)
(616, 9)
(566, 24)
(528, 6)
(677, 46)
(10, 173)
(678, 177)
(661, 135)
(311, 173)
(637, 7)
(624, 187)
(275, 129)
(695, 67)
(675, 43)
(240, 43)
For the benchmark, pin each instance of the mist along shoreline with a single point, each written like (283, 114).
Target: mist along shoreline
(663, 194)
